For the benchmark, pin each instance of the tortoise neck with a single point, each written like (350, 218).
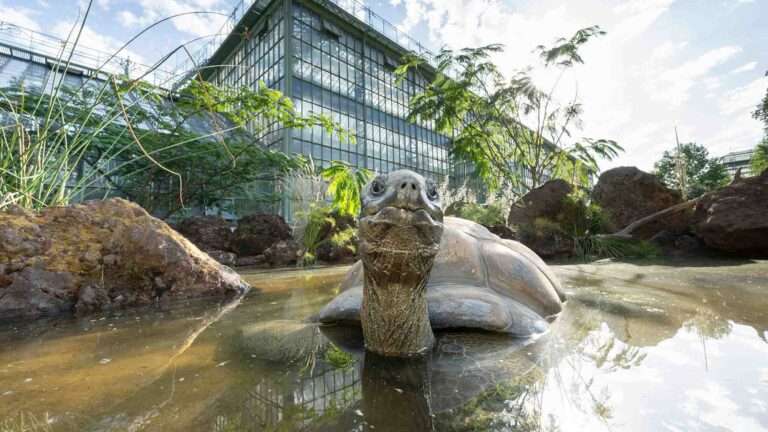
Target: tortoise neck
(394, 314)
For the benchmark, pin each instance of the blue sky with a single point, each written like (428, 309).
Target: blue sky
(695, 64)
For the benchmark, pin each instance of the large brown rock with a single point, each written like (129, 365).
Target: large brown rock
(282, 253)
(256, 233)
(546, 201)
(97, 255)
(627, 194)
(734, 219)
(209, 233)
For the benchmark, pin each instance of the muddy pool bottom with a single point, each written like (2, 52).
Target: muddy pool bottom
(640, 346)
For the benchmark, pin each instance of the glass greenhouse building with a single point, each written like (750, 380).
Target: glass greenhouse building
(331, 57)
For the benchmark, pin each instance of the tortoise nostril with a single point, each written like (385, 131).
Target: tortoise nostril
(413, 186)
(402, 186)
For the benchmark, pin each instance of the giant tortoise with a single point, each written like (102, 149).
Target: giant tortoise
(421, 271)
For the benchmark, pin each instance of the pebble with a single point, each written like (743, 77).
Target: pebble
(104, 361)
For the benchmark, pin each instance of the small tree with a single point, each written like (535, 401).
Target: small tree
(701, 174)
(514, 133)
(761, 111)
(759, 160)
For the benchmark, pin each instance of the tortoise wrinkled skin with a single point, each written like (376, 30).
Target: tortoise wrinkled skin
(421, 271)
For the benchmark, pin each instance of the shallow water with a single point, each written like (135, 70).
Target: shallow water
(639, 347)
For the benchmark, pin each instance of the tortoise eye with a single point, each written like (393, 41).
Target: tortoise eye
(377, 187)
(432, 191)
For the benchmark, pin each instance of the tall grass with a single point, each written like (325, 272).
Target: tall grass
(59, 143)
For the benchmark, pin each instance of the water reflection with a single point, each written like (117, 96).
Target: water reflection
(677, 349)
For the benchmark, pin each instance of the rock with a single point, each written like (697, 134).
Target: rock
(734, 219)
(282, 253)
(546, 201)
(627, 194)
(92, 298)
(209, 233)
(671, 244)
(256, 233)
(502, 231)
(250, 260)
(85, 257)
(223, 257)
(548, 243)
(36, 292)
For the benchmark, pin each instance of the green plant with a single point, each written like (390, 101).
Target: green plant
(338, 358)
(510, 130)
(127, 137)
(489, 215)
(596, 246)
(759, 162)
(345, 185)
(318, 219)
(345, 238)
(700, 174)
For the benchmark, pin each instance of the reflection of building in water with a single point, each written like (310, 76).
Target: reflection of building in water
(297, 403)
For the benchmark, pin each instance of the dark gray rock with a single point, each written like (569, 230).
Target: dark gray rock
(282, 253)
(223, 257)
(627, 194)
(734, 219)
(35, 292)
(209, 233)
(256, 233)
(545, 202)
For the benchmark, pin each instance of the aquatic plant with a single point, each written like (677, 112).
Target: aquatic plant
(27, 422)
(338, 358)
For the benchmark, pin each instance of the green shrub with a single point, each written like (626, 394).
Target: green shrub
(345, 238)
(338, 358)
(317, 219)
(489, 215)
(596, 246)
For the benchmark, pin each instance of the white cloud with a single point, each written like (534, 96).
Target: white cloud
(744, 68)
(674, 84)
(20, 16)
(92, 40)
(638, 82)
(195, 24)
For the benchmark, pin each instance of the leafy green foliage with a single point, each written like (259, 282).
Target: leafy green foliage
(338, 358)
(345, 185)
(596, 246)
(125, 137)
(702, 173)
(759, 162)
(489, 117)
(164, 154)
(761, 111)
(488, 215)
(317, 220)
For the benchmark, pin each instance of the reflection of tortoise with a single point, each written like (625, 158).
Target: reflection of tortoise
(477, 280)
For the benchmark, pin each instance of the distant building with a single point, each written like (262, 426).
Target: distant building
(338, 58)
(335, 57)
(739, 159)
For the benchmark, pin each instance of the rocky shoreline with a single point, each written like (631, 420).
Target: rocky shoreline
(100, 255)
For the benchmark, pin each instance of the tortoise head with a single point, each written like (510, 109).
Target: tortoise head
(401, 216)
